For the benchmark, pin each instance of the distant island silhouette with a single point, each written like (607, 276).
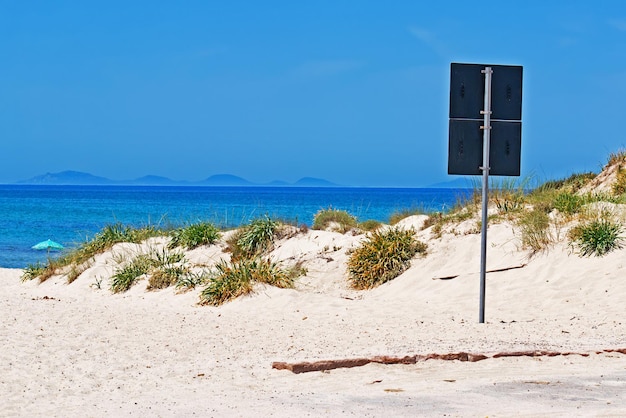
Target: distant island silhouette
(77, 178)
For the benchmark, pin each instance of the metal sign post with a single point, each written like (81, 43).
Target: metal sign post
(485, 99)
(485, 203)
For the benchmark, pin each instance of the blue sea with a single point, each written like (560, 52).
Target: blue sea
(71, 215)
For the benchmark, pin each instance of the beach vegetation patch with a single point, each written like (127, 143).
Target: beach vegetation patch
(295, 271)
(571, 184)
(619, 187)
(437, 221)
(191, 280)
(237, 278)
(254, 239)
(32, 271)
(75, 271)
(399, 215)
(114, 234)
(369, 225)
(616, 158)
(568, 203)
(383, 256)
(166, 276)
(597, 237)
(508, 194)
(336, 219)
(81, 258)
(125, 277)
(195, 235)
(40, 270)
(163, 269)
(535, 229)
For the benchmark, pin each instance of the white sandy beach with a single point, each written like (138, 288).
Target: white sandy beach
(76, 350)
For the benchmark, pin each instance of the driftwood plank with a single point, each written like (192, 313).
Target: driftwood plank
(322, 365)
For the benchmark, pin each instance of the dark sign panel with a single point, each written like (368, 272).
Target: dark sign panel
(465, 151)
(467, 91)
(467, 97)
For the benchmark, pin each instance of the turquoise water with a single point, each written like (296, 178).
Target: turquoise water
(72, 214)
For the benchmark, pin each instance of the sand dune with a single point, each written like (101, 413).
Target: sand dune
(79, 350)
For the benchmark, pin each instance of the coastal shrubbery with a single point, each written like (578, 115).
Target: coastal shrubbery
(598, 236)
(76, 261)
(238, 278)
(249, 264)
(335, 219)
(254, 238)
(383, 256)
(369, 225)
(619, 160)
(583, 210)
(571, 184)
(195, 235)
(163, 269)
(32, 271)
(535, 229)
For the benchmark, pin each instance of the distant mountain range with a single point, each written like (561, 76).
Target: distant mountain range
(78, 178)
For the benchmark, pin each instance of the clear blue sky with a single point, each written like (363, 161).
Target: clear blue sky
(355, 92)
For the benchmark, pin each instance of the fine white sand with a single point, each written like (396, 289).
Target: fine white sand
(77, 350)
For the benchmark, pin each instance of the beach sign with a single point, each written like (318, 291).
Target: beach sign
(467, 117)
(485, 133)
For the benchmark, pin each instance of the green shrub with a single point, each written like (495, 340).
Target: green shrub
(619, 187)
(258, 236)
(103, 241)
(113, 234)
(124, 278)
(326, 217)
(568, 203)
(43, 271)
(369, 225)
(237, 278)
(192, 280)
(508, 195)
(195, 235)
(534, 226)
(162, 267)
(32, 271)
(598, 237)
(382, 256)
(254, 239)
(434, 219)
(166, 276)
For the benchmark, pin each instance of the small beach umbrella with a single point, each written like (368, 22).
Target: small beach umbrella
(47, 245)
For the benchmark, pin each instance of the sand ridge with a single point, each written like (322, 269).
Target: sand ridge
(79, 350)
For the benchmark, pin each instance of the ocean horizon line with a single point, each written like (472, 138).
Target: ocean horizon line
(78, 178)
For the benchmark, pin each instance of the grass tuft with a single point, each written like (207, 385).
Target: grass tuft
(163, 269)
(192, 280)
(195, 235)
(568, 203)
(254, 239)
(32, 271)
(534, 225)
(383, 256)
(598, 237)
(124, 278)
(237, 278)
(340, 220)
(369, 225)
